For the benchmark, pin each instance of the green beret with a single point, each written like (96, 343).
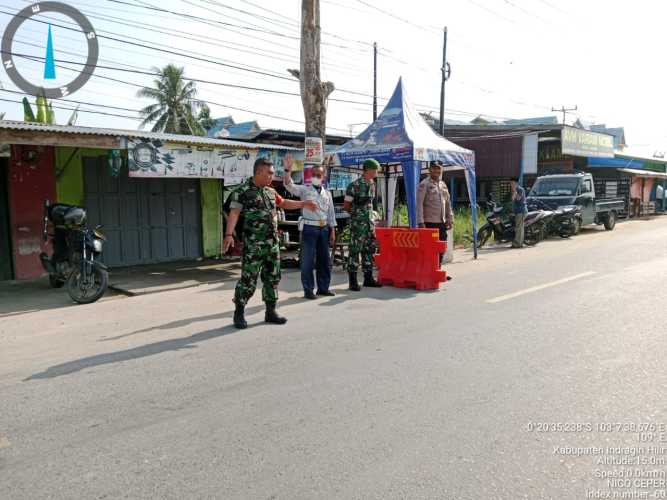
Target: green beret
(371, 164)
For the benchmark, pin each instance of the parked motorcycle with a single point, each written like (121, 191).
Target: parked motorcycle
(500, 224)
(565, 222)
(76, 250)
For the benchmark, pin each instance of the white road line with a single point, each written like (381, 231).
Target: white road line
(537, 288)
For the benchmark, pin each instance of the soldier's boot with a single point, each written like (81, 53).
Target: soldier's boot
(354, 284)
(239, 317)
(272, 316)
(369, 281)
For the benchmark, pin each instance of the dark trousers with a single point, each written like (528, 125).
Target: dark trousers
(315, 255)
(440, 226)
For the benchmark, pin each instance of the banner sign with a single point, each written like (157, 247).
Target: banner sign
(530, 148)
(154, 158)
(578, 142)
(313, 150)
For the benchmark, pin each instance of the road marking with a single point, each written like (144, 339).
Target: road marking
(537, 288)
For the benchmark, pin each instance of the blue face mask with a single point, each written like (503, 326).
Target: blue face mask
(316, 181)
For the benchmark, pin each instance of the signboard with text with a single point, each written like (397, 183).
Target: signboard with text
(154, 158)
(578, 142)
(313, 151)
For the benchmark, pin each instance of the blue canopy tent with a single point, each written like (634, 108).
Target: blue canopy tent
(401, 136)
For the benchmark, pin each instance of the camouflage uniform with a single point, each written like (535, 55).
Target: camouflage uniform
(361, 194)
(261, 251)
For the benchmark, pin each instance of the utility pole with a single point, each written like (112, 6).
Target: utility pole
(375, 81)
(314, 92)
(564, 110)
(446, 73)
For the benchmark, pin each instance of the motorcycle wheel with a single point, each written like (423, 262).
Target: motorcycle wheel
(566, 232)
(82, 294)
(55, 282)
(483, 236)
(532, 237)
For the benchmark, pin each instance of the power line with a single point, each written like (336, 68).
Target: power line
(493, 12)
(528, 13)
(394, 16)
(146, 26)
(80, 110)
(106, 106)
(137, 70)
(201, 19)
(172, 52)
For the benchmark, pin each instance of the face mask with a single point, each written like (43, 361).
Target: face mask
(316, 181)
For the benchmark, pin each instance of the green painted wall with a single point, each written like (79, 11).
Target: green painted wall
(69, 188)
(211, 213)
(69, 173)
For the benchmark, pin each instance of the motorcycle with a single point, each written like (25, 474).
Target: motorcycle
(76, 250)
(565, 221)
(500, 224)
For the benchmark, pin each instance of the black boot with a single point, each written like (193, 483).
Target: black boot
(271, 315)
(354, 284)
(369, 281)
(239, 318)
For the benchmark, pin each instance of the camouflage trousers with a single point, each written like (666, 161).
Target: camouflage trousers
(362, 244)
(259, 259)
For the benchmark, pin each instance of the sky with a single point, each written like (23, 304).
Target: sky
(509, 59)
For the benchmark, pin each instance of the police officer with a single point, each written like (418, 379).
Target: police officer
(261, 251)
(434, 207)
(359, 203)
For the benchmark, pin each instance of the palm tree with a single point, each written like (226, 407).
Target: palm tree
(176, 106)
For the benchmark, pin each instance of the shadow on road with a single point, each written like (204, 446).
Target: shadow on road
(134, 353)
(181, 323)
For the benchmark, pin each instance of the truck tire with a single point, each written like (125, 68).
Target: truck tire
(610, 221)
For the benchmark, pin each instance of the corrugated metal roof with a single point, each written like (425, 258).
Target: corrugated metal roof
(538, 120)
(643, 173)
(183, 139)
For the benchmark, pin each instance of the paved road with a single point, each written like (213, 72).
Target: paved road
(390, 394)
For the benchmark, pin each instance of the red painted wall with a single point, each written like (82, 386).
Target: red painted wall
(30, 183)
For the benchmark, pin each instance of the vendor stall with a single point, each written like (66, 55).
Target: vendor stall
(402, 141)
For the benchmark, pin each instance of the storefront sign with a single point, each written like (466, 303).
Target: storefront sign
(153, 158)
(578, 142)
(313, 150)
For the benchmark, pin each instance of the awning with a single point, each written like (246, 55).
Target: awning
(644, 173)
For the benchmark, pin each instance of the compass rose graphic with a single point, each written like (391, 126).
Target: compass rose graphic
(84, 73)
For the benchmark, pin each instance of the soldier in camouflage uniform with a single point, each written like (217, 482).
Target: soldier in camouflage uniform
(261, 251)
(359, 203)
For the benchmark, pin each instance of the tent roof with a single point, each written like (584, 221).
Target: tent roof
(400, 134)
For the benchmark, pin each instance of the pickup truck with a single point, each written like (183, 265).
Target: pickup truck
(576, 189)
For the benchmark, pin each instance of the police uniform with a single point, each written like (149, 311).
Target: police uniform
(434, 207)
(261, 250)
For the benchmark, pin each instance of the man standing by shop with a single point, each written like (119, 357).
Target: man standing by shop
(434, 207)
(261, 250)
(359, 203)
(520, 209)
(318, 233)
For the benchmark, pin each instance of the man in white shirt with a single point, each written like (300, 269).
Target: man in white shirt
(319, 230)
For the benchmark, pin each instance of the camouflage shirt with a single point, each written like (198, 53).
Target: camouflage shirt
(258, 207)
(361, 194)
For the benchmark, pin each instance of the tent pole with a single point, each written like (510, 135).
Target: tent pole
(386, 196)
